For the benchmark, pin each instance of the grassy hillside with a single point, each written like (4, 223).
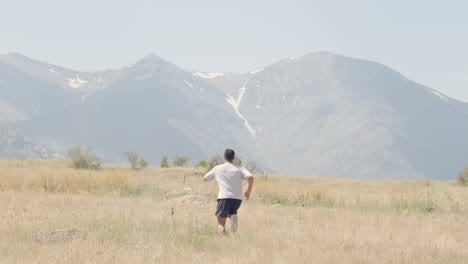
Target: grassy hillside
(50, 213)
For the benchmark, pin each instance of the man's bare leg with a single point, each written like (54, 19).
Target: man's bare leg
(222, 225)
(233, 223)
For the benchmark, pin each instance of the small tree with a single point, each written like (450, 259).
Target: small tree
(253, 167)
(215, 161)
(181, 161)
(237, 160)
(135, 161)
(84, 159)
(463, 177)
(164, 162)
(143, 164)
(202, 164)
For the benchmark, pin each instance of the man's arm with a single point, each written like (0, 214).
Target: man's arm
(249, 189)
(247, 175)
(209, 176)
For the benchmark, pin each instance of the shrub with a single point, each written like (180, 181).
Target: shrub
(84, 159)
(315, 198)
(164, 162)
(463, 177)
(202, 164)
(253, 167)
(237, 160)
(143, 163)
(273, 197)
(264, 176)
(215, 161)
(181, 161)
(135, 161)
(426, 204)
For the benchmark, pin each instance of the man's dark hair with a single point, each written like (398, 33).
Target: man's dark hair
(229, 154)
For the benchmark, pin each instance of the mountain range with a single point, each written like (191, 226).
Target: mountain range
(320, 114)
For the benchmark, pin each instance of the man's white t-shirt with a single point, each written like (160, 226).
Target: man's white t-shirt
(229, 177)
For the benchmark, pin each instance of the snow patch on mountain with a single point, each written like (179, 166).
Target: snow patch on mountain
(235, 103)
(443, 97)
(207, 75)
(76, 82)
(296, 99)
(189, 84)
(259, 99)
(54, 72)
(259, 70)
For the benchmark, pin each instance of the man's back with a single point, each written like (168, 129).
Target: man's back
(229, 177)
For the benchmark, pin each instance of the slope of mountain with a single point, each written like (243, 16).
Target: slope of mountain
(23, 97)
(324, 114)
(320, 114)
(59, 76)
(13, 145)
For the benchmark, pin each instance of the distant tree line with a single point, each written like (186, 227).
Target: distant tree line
(183, 161)
(86, 158)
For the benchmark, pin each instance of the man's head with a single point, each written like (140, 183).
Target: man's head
(229, 155)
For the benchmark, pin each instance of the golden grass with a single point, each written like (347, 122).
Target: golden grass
(147, 217)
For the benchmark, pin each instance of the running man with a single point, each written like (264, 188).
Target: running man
(229, 177)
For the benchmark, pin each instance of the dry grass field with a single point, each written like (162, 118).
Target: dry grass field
(50, 213)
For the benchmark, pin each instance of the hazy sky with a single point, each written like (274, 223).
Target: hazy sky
(424, 40)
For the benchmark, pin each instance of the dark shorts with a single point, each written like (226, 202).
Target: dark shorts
(227, 207)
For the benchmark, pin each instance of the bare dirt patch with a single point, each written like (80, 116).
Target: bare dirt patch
(189, 199)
